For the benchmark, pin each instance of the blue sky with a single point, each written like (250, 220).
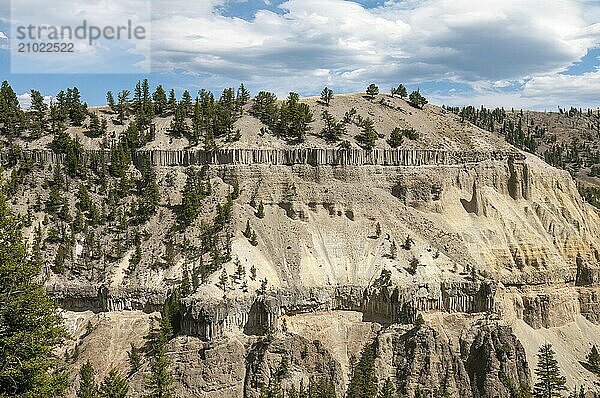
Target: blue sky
(534, 54)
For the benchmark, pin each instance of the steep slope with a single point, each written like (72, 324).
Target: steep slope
(345, 248)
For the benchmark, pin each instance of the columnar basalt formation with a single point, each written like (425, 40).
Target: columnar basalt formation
(287, 157)
(209, 320)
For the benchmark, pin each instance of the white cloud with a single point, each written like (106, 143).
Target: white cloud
(491, 45)
(342, 43)
(25, 100)
(580, 90)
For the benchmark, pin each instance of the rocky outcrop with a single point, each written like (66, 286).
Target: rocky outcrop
(486, 361)
(288, 157)
(99, 298)
(294, 361)
(208, 319)
(496, 362)
(425, 362)
(547, 309)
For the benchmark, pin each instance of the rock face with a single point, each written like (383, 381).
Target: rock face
(209, 320)
(288, 157)
(496, 362)
(489, 241)
(293, 359)
(487, 360)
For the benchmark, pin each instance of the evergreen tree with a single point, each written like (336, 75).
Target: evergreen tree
(593, 360)
(185, 286)
(160, 100)
(179, 127)
(264, 108)
(114, 385)
(38, 111)
(87, 384)
(227, 113)
(160, 382)
(416, 99)
(110, 101)
(123, 106)
(395, 139)
(11, 116)
(30, 324)
(172, 101)
(77, 109)
(186, 102)
(393, 250)
(326, 96)
(193, 192)
(294, 119)
(97, 127)
(550, 382)
(242, 98)
(372, 91)
(388, 390)
(368, 137)
(135, 359)
(223, 280)
(363, 382)
(332, 130)
(399, 91)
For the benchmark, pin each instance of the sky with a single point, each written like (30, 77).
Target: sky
(536, 54)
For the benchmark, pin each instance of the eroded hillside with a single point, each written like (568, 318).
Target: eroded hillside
(440, 258)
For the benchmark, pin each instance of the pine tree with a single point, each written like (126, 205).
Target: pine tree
(363, 382)
(160, 100)
(77, 110)
(248, 231)
(110, 100)
(368, 137)
(396, 138)
(393, 250)
(123, 105)
(416, 99)
(186, 102)
(114, 385)
(388, 390)
(326, 96)
(135, 359)
(332, 130)
(294, 119)
(242, 98)
(185, 283)
(550, 382)
(30, 323)
(160, 382)
(87, 385)
(593, 360)
(38, 111)
(399, 91)
(11, 116)
(172, 101)
(179, 125)
(223, 280)
(372, 91)
(97, 127)
(265, 109)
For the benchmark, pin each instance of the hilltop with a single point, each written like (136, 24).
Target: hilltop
(270, 274)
